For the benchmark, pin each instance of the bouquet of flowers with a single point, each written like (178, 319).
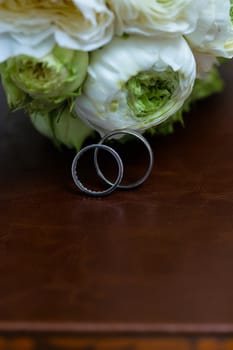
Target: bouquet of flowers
(78, 66)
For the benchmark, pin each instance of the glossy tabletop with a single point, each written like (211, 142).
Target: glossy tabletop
(156, 259)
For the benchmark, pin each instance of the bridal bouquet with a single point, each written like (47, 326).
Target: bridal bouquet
(81, 66)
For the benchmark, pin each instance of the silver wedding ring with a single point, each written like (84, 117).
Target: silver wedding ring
(117, 184)
(80, 185)
(142, 179)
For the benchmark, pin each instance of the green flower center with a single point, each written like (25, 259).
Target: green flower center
(150, 91)
(37, 72)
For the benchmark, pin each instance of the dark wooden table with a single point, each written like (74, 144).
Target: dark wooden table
(145, 269)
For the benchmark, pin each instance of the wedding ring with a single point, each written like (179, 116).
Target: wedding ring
(113, 186)
(145, 143)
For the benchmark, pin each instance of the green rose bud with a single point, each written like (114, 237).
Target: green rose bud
(50, 80)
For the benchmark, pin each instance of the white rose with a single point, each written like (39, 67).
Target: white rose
(33, 27)
(214, 33)
(136, 83)
(150, 17)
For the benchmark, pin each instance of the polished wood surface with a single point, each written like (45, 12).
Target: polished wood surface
(156, 260)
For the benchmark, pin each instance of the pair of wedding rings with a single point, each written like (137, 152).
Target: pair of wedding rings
(117, 183)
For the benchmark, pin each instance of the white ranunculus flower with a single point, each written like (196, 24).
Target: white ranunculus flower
(214, 32)
(150, 17)
(136, 83)
(33, 27)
